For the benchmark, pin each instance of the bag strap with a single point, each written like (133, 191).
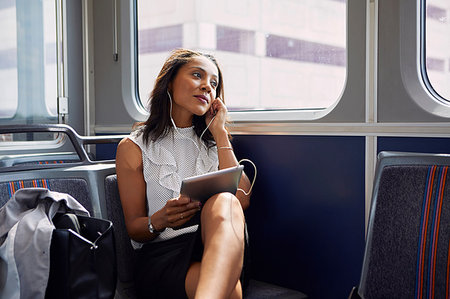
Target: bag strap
(67, 221)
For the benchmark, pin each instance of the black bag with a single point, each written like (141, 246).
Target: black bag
(82, 258)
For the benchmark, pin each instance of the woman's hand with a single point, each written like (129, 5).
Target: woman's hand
(219, 110)
(176, 212)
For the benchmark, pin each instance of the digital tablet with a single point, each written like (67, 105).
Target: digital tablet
(202, 187)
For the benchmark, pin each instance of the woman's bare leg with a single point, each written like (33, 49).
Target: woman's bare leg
(192, 282)
(217, 276)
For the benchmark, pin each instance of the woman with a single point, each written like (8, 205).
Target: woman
(185, 135)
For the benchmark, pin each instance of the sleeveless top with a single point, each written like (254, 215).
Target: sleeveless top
(166, 162)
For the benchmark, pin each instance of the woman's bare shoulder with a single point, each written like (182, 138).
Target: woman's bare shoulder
(128, 154)
(127, 143)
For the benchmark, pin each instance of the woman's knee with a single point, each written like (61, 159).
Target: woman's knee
(237, 292)
(223, 207)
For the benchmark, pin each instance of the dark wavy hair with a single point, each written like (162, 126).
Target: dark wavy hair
(158, 123)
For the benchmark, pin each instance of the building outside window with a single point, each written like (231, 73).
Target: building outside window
(274, 54)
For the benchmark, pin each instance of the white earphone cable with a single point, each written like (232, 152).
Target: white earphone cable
(254, 176)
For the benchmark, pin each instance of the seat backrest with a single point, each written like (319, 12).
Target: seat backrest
(407, 248)
(125, 252)
(76, 187)
(84, 183)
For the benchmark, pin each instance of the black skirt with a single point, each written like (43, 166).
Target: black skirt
(161, 267)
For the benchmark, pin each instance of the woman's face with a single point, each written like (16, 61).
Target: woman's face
(193, 89)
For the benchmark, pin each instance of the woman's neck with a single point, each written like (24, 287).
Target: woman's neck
(182, 120)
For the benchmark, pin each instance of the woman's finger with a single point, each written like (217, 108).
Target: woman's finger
(176, 219)
(194, 205)
(183, 218)
(179, 201)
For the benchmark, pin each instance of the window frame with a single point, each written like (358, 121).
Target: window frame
(414, 75)
(129, 61)
(423, 54)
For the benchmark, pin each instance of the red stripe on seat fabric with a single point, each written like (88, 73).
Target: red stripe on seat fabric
(11, 190)
(439, 198)
(423, 237)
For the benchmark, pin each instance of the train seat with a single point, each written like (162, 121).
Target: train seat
(124, 251)
(84, 183)
(407, 253)
(258, 290)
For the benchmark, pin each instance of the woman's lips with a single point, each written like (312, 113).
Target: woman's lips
(202, 99)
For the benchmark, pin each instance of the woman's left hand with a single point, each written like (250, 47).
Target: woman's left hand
(219, 110)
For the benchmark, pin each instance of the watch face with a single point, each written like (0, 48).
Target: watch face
(151, 228)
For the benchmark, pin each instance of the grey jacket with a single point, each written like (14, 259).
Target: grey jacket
(25, 235)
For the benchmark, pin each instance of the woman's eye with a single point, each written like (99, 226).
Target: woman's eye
(214, 84)
(198, 75)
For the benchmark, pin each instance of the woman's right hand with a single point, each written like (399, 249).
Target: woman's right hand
(176, 212)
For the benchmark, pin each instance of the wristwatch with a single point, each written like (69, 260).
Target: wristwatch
(151, 228)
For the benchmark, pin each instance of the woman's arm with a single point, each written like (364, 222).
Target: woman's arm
(224, 148)
(228, 159)
(132, 190)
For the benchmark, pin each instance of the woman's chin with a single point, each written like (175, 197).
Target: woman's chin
(200, 112)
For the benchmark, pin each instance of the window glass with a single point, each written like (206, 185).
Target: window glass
(8, 59)
(36, 148)
(274, 54)
(27, 61)
(50, 69)
(437, 43)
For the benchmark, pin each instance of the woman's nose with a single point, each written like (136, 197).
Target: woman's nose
(206, 87)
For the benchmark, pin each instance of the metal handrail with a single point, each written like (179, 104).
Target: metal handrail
(77, 141)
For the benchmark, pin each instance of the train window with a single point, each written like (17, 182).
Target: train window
(30, 140)
(437, 43)
(275, 55)
(28, 79)
(34, 148)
